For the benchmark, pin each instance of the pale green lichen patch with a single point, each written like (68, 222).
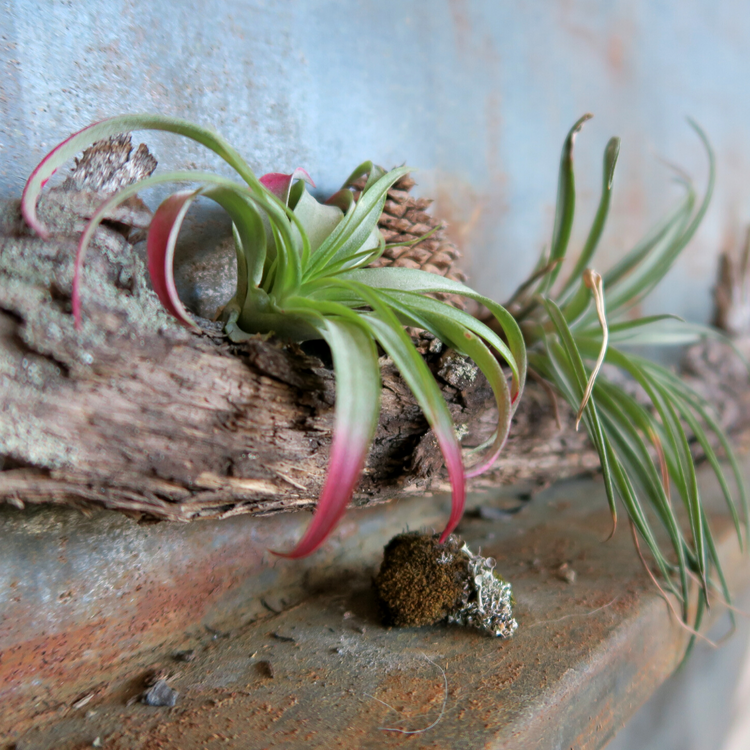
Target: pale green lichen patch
(36, 280)
(41, 346)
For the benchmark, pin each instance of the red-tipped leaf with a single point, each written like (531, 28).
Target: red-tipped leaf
(418, 377)
(114, 126)
(355, 362)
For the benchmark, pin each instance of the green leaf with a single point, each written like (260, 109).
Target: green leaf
(655, 241)
(610, 161)
(373, 172)
(162, 239)
(575, 365)
(440, 320)
(566, 201)
(415, 372)
(413, 280)
(355, 230)
(124, 124)
(621, 417)
(692, 400)
(100, 214)
(431, 308)
(247, 224)
(392, 337)
(676, 447)
(317, 219)
(653, 270)
(385, 327)
(626, 491)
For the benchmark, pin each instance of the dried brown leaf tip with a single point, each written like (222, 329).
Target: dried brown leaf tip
(423, 582)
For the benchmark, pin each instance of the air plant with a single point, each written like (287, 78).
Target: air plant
(645, 451)
(301, 274)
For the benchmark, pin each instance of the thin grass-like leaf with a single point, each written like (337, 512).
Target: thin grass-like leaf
(519, 297)
(626, 491)
(677, 447)
(656, 241)
(693, 401)
(575, 362)
(621, 415)
(629, 435)
(649, 274)
(566, 201)
(611, 152)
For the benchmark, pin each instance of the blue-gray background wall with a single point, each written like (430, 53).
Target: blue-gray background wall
(478, 94)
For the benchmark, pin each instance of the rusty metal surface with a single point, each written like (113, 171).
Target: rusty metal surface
(80, 596)
(477, 94)
(313, 666)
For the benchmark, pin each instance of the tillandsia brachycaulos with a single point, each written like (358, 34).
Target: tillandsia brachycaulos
(301, 274)
(645, 453)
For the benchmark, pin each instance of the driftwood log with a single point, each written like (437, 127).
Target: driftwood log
(134, 413)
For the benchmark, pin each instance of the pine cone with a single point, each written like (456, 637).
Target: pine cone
(405, 219)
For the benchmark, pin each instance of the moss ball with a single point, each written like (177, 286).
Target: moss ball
(421, 581)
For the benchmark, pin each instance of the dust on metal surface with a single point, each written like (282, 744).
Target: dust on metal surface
(323, 672)
(82, 595)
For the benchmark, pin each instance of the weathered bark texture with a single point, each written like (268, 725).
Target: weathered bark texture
(132, 412)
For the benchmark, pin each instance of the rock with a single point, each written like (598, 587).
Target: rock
(160, 694)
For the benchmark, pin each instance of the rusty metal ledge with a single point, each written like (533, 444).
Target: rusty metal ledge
(293, 654)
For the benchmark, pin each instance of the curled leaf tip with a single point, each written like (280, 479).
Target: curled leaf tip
(347, 462)
(160, 246)
(486, 465)
(577, 127)
(593, 280)
(280, 184)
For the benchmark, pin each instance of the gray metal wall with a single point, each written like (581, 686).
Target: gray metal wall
(476, 93)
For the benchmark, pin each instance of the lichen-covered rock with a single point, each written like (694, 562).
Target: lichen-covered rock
(423, 582)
